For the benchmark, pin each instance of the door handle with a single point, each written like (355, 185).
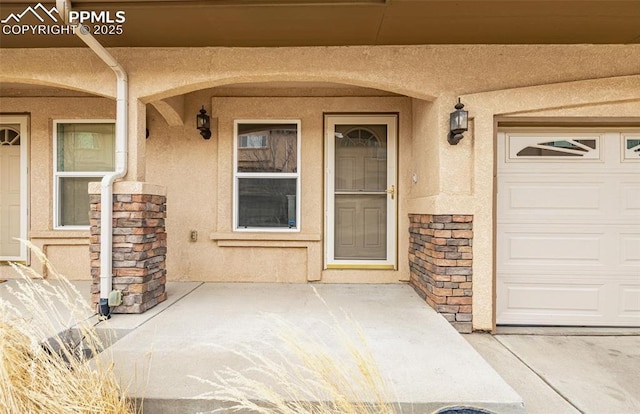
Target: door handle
(392, 191)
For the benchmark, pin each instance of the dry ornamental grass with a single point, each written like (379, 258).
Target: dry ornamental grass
(44, 371)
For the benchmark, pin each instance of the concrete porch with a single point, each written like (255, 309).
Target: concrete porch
(425, 362)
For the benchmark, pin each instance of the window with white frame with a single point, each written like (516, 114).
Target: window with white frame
(83, 152)
(631, 145)
(267, 175)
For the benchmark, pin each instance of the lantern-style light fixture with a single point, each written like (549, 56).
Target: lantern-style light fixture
(458, 124)
(203, 122)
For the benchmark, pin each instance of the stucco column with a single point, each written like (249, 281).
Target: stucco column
(484, 234)
(441, 231)
(137, 140)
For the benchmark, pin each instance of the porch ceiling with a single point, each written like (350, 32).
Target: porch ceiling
(274, 23)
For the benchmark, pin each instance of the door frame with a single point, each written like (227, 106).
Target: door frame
(391, 121)
(23, 121)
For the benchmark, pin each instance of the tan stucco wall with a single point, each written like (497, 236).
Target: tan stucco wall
(416, 71)
(493, 81)
(68, 250)
(424, 157)
(222, 254)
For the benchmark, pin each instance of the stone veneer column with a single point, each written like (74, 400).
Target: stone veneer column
(139, 244)
(440, 262)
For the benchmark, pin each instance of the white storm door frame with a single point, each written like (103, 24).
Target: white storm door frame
(391, 122)
(22, 122)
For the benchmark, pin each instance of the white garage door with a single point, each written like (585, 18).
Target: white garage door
(568, 228)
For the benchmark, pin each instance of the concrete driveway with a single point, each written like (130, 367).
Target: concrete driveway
(568, 371)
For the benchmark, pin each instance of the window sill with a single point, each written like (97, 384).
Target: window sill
(261, 236)
(59, 234)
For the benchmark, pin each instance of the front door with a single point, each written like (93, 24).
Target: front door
(361, 191)
(13, 150)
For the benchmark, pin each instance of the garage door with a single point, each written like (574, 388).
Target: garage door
(568, 228)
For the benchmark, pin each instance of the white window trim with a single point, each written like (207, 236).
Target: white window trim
(60, 174)
(627, 154)
(237, 175)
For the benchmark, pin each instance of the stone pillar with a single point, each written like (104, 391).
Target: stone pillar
(139, 244)
(440, 262)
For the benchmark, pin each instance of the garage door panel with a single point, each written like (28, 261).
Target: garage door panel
(630, 199)
(568, 234)
(558, 297)
(549, 303)
(568, 248)
(559, 196)
(595, 249)
(571, 301)
(630, 301)
(532, 246)
(630, 251)
(523, 199)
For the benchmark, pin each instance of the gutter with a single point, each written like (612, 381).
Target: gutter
(106, 187)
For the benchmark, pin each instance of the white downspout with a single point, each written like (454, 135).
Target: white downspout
(106, 188)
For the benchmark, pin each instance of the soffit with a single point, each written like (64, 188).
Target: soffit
(277, 23)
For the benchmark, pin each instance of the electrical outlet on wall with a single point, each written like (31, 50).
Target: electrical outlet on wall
(193, 235)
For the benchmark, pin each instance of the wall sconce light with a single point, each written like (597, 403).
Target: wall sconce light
(458, 124)
(203, 123)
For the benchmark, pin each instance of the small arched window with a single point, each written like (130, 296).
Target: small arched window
(360, 137)
(9, 136)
